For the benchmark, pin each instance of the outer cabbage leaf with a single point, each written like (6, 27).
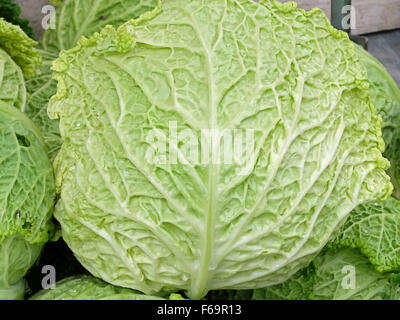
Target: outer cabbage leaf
(336, 274)
(299, 287)
(40, 89)
(77, 18)
(330, 279)
(12, 85)
(16, 257)
(89, 288)
(394, 287)
(374, 229)
(69, 28)
(16, 52)
(20, 47)
(27, 195)
(155, 226)
(386, 96)
(333, 283)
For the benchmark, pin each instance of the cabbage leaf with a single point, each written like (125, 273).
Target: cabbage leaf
(84, 287)
(386, 97)
(27, 195)
(96, 14)
(374, 228)
(18, 58)
(343, 274)
(12, 84)
(19, 47)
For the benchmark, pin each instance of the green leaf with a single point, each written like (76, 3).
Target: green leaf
(339, 274)
(17, 255)
(17, 58)
(12, 84)
(386, 96)
(40, 89)
(374, 229)
(347, 275)
(77, 18)
(299, 287)
(27, 196)
(95, 14)
(158, 226)
(20, 48)
(85, 287)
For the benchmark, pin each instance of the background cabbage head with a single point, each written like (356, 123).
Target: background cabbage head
(84, 287)
(26, 199)
(26, 176)
(385, 94)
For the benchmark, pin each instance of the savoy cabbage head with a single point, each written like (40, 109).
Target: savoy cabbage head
(26, 199)
(138, 219)
(385, 94)
(26, 177)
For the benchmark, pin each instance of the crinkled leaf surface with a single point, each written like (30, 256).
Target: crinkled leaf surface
(74, 18)
(27, 182)
(40, 89)
(342, 274)
(386, 96)
(374, 229)
(12, 84)
(19, 47)
(284, 73)
(299, 287)
(17, 58)
(27, 195)
(336, 274)
(17, 255)
(89, 288)
(77, 18)
(335, 269)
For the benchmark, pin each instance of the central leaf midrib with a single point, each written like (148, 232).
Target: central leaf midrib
(201, 278)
